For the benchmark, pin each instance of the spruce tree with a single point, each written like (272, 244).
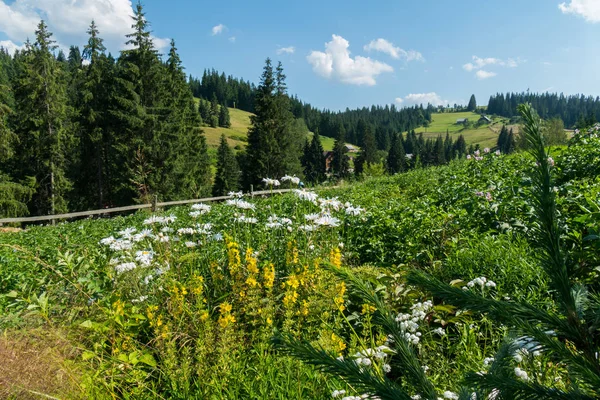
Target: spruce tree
(472, 103)
(214, 112)
(290, 133)
(460, 146)
(503, 140)
(41, 103)
(91, 183)
(228, 173)
(396, 160)
(439, 152)
(511, 143)
(448, 148)
(313, 160)
(368, 144)
(224, 120)
(339, 161)
(189, 159)
(273, 147)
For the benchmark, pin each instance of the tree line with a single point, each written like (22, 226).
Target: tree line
(86, 130)
(237, 93)
(576, 111)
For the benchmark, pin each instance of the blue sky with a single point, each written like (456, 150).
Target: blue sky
(340, 54)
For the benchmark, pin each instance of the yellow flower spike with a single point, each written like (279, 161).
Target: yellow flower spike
(368, 309)
(335, 257)
(251, 262)
(338, 342)
(269, 276)
(225, 308)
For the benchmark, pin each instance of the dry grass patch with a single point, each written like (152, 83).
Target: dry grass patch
(38, 364)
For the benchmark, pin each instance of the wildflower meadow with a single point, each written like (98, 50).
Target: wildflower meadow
(420, 285)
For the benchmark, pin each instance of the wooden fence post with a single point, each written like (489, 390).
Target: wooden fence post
(154, 202)
(251, 190)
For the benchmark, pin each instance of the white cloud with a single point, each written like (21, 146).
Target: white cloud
(69, 20)
(218, 29)
(479, 63)
(481, 74)
(546, 63)
(548, 89)
(232, 39)
(336, 63)
(286, 50)
(386, 47)
(422, 98)
(10, 46)
(588, 9)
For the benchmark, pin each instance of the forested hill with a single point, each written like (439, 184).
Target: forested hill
(385, 121)
(576, 111)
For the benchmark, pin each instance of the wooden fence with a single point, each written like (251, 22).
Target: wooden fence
(153, 206)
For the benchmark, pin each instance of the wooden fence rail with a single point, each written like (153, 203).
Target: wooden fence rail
(132, 208)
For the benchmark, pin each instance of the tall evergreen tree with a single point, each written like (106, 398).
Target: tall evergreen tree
(190, 176)
(214, 112)
(41, 104)
(290, 134)
(460, 146)
(262, 144)
(503, 140)
(472, 103)
(91, 183)
(313, 160)
(439, 152)
(224, 119)
(396, 160)
(339, 161)
(228, 173)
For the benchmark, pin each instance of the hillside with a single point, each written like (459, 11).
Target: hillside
(485, 135)
(238, 133)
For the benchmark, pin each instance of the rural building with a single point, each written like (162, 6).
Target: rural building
(462, 121)
(351, 148)
(485, 120)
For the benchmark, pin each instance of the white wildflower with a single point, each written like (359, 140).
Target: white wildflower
(440, 331)
(201, 207)
(450, 395)
(387, 368)
(125, 267)
(186, 231)
(108, 241)
(338, 393)
(271, 182)
(144, 257)
(294, 179)
(521, 374)
(191, 244)
(306, 195)
(127, 233)
(327, 220)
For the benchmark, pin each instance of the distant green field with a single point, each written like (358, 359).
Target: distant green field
(238, 133)
(485, 135)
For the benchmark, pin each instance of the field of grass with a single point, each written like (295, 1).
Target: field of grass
(237, 134)
(185, 303)
(485, 135)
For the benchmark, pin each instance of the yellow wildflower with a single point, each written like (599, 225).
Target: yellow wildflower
(269, 276)
(368, 309)
(335, 257)
(251, 282)
(339, 343)
(339, 298)
(251, 262)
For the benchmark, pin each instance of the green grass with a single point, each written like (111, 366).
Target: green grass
(237, 134)
(485, 135)
(326, 142)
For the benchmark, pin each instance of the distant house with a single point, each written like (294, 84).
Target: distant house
(351, 148)
(462, 121)
(484, 120)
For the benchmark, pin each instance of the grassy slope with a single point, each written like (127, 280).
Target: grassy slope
(237, 134)
(485, 135)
